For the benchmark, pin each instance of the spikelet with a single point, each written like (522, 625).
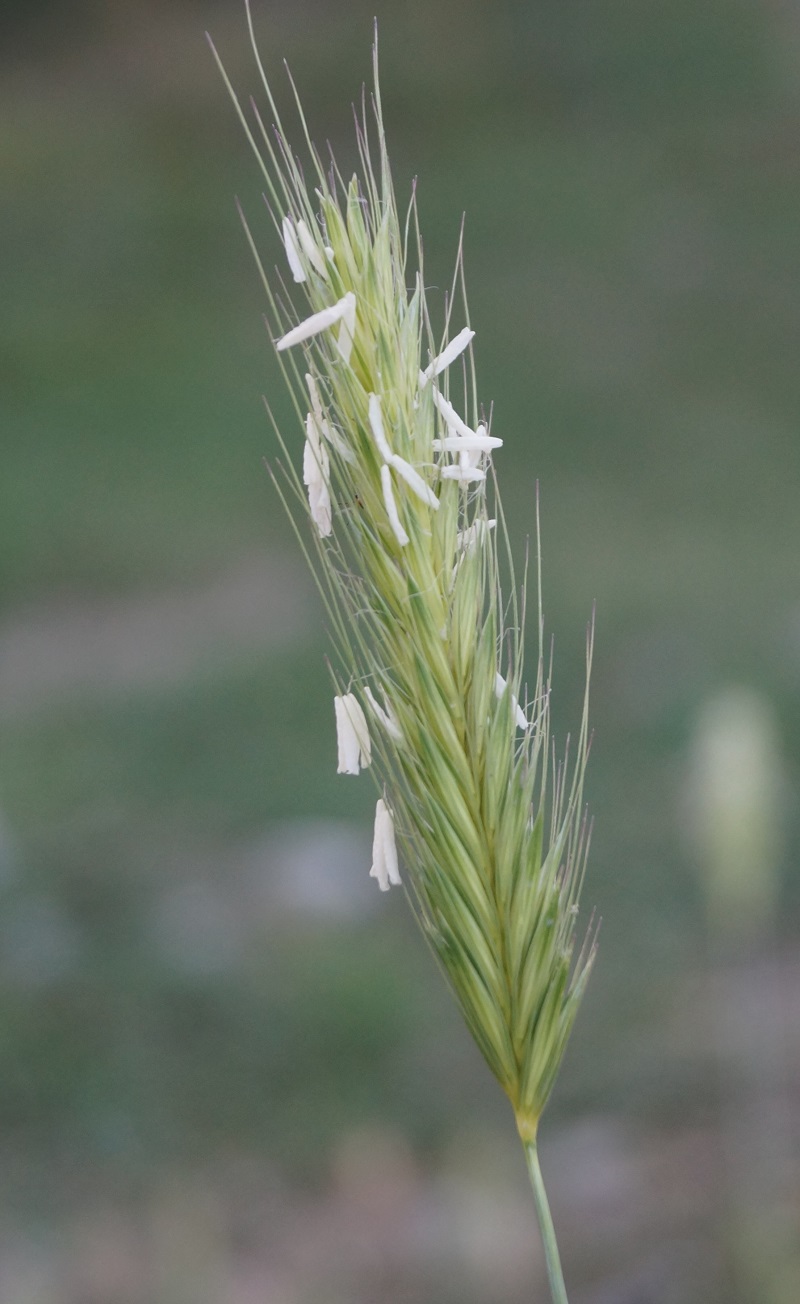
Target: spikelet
(490, 829)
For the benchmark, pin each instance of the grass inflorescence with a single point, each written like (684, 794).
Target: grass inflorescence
(395, 503)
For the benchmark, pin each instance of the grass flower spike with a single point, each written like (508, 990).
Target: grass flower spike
(404, 530)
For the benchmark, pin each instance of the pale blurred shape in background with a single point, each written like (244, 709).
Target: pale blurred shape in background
(738, 805)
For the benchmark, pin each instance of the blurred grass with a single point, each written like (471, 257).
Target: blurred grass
(631, 176)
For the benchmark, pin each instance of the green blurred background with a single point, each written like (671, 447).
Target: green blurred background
(228, 1071)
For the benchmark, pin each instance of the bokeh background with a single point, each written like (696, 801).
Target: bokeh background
(229, 1073)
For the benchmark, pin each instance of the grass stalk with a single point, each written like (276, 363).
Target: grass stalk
(555, 1276)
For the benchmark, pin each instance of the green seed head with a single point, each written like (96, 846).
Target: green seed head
(405, 532)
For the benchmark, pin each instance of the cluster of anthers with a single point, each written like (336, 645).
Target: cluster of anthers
(466, 445)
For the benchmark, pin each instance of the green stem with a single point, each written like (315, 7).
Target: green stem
(554, 1274)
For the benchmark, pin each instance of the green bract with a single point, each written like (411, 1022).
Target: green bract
(406, 526)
